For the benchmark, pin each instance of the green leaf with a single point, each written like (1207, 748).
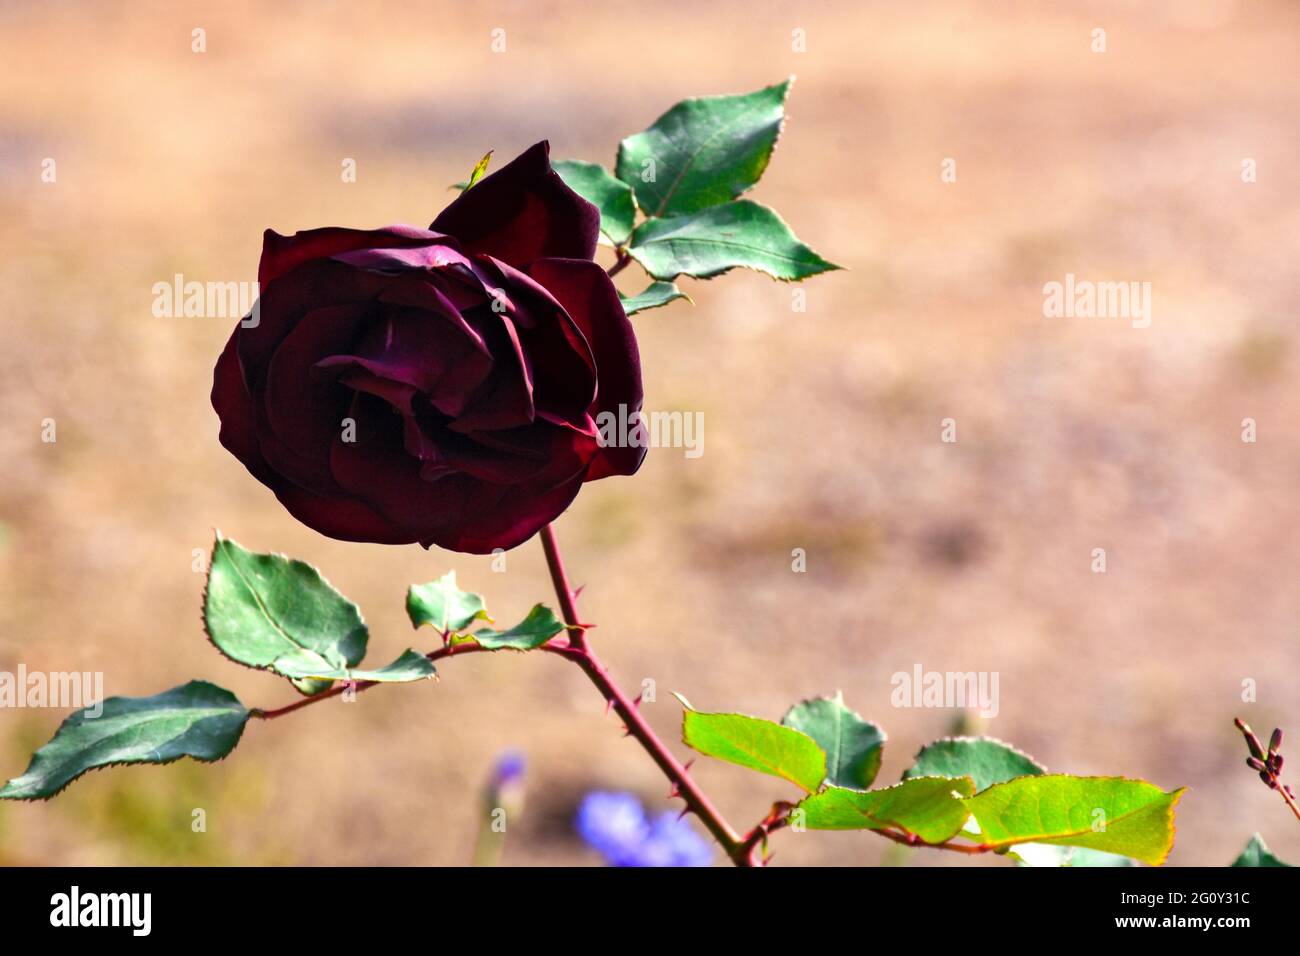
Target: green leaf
(1257, 854)
(715, 240)
(930, 808)
(198, 720)
(268, 611)
(444, 605)
(533, 631)
(1132, 817)
(654, 295)
(479, 169)
(410, 666)
(985, 760)
(853, 746)
(757, 744)
(614, 199)
(704, 151)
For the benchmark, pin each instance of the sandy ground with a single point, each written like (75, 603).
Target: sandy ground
(823, 427)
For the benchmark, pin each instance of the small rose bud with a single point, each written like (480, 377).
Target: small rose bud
(1254, 763)
(1263, 775)
(1275, 742)
(1251, 740)
(1276, 764)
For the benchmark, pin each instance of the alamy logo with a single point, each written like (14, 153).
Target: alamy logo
(179, 299)
(62, 689)
(1085, 299)
(74, 908)
(956, 689)
(652, 430)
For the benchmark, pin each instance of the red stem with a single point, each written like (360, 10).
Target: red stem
(619, 264)
(637, 726)
(911, 839)
(563, 593)
(748, 850)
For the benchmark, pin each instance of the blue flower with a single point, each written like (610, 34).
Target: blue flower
(509, 768)
(616, 825)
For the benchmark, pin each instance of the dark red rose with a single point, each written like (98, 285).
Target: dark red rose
(435, 385)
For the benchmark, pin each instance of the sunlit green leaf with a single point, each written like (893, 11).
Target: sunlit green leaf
(1129, 817)
(757, 744)
(929, 808)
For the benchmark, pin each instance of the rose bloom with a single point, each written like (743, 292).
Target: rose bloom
(436, 385)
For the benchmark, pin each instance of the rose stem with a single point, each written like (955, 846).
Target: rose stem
(1290, 802)
(578, 652)
(619, 264)
(743, 851)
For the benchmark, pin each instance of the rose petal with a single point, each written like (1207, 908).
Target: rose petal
(513, 519)
(505, 399)
(559, 358)
(377, 469)
(335, 517)
(305, 409)
(343, 518)
(284, 302)
(590, 298)
(281, 254)
(435, 255)
(522, 212)
(542, 455)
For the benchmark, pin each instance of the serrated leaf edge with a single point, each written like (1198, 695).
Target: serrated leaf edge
(248, 714)
(1043, 838)
(787, 83)
(970, 738)
(839, 699)
(830, 266)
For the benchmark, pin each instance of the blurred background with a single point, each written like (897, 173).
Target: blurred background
(822, 427)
